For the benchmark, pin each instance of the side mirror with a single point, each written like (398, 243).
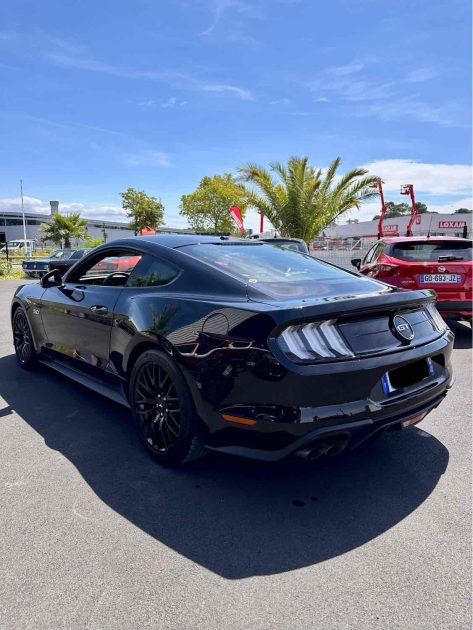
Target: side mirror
(52, 279)
(356, 262)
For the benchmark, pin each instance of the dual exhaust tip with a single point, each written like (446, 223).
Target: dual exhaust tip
(324, 447)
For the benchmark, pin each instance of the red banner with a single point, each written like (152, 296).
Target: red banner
(235, 213)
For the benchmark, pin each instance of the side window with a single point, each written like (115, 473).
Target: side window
(369, 256)
(380, 247)
(113, 264)
(152, 272)
(98, 270)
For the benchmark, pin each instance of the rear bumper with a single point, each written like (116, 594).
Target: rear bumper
(350, 434)
(285, 412)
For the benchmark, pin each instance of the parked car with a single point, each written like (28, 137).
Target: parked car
(64, 263)
(115, 264)
(61, 259)
(441, 263)
(238, 346)
(18, 247)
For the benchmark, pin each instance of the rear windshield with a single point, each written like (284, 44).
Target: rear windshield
(276, 269)
(425, 251)
(61, 253)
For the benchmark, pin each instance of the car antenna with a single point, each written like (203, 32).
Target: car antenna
(430, 226)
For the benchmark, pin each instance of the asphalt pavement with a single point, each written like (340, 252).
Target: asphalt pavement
(94, 534)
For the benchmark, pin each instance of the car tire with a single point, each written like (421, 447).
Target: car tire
(23, 340)
(163, 411)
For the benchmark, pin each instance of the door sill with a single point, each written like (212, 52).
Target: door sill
(98, 386)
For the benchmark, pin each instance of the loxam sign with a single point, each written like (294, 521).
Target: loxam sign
(452, 224)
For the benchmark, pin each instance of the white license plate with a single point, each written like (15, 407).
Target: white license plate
(441, 278)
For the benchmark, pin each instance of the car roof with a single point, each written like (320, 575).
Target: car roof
(174, 240)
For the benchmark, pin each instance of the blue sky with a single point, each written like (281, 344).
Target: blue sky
(99, 96)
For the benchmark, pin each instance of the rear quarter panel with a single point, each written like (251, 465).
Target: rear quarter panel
(191, 329)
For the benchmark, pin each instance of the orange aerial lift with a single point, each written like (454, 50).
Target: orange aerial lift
(408, 189)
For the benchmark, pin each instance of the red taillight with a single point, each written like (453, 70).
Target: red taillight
(385, 270)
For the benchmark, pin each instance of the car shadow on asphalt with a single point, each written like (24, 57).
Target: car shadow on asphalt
(235, 517)
(463, 336)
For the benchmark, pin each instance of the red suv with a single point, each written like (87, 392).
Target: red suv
(439, 262)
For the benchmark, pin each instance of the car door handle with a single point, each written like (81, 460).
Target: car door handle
(99, 310)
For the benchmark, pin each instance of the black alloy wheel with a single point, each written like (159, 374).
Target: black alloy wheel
(22, 340)
(163, 410)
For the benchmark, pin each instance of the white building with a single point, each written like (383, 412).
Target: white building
(436, 224)
(11, 226)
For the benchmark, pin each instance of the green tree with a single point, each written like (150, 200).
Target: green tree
(207, 208)
(63, 228)
(142, 210)
(401, 209)
(305, 200)
(463, 211)
(91, 243)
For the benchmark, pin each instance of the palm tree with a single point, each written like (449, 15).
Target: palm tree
(305, 200)
(63, 228)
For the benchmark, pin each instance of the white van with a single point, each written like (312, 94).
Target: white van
(19, 247)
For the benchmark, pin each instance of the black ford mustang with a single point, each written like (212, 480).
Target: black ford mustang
(237, 346)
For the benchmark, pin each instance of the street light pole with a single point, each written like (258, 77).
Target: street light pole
(23, 215)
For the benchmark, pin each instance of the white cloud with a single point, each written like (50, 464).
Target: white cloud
(176, 79)
(356, 86)
(222, 88)
(280, 101)
(220, 7)
(38, 206)
(345, 70)
(173, 102)
(31, 204)
(420, 75)
(147, 158)
(406, 107)
(148, 103)
(432, 179)
(451, 206)
(372, 208)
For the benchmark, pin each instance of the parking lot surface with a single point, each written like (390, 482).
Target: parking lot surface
(93, 534)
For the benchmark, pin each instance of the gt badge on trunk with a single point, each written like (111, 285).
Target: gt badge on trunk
(402, 329)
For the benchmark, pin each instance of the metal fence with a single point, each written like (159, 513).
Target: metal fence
(341, 252)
